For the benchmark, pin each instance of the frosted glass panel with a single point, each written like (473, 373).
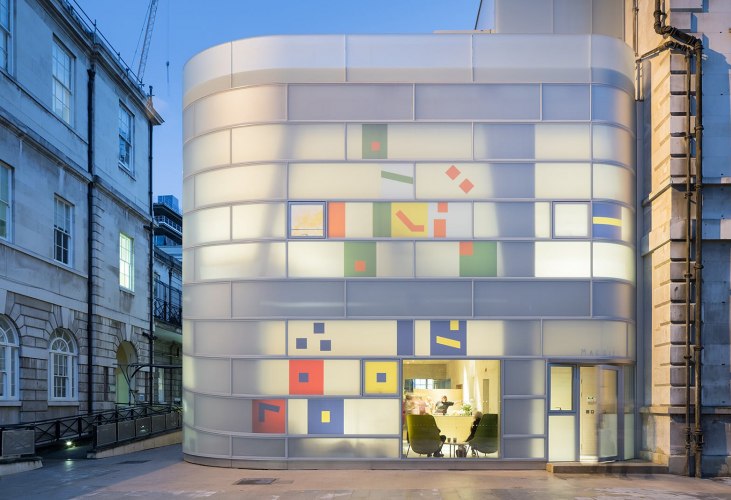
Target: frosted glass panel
(342, 447)
(395, 259)
(474, 180)
(566, 102)
(543, 220)
(207, 301)
(206, 151)
(503, 338)
(287, 142)
(562, 142)
(515, 259)
(315, 259)
(526, 298)
(288, 298)
(236, 338)
(351, 181)
(504, 141)
(504, 220)
(477, 102)
(612, 104)
(231, 185)
(257, 221)
(614, 183)
(524, 378)
(372, 416)
(239, 261)
(524, 448)
(404, 299)
(584, 338)
(614, 299)
(567, 259)
(342, 338)
(222, 414)
(211, 65)
(207, 375)
(437, 259)
(561, 394)
(350, 102)
(612, 143)
(188, 266)
(268, 377)
(524, 416)
(561, 438)
(204, 443)
(243, 447)
(571, 220)
(205, 226)
(406, 141)
(563, 180)
(342, 377)
(614, 261)
(265, 103)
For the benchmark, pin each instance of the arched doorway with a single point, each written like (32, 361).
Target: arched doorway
(125, 388)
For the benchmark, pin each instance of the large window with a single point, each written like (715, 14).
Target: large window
(8, 361)
(63, 220)
(62, 63)
(125, 138)
(62, 363)
(5, 34)
(5, 201)
(126, 262)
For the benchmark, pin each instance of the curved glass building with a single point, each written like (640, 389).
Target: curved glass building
(376, 223)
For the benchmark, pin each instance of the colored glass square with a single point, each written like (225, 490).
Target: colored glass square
(375, 146)
(268, 416)
(301, 343)
(466, 186)
(318, 328)
(405, 338)
(481, 262)
(452, 172)
(303, 377)
(359, 259)
(325, 345)
(447, 341)
(325, 416)
(360, 266)
(374, 137)
(454, 325)
(440, 228)
(466, 248)
(442, 207)
(306, 376)
(380, 377)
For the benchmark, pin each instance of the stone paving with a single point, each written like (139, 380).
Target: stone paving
(161, 474)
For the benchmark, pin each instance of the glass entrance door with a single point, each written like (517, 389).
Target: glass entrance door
(598, 413)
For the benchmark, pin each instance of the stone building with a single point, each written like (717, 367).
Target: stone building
(75, 216)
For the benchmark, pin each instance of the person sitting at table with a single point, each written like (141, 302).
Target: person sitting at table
(441, 408)
(473, 429)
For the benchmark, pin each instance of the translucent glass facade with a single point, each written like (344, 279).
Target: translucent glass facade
(350, 202)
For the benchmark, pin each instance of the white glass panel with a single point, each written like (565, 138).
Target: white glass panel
(474, 180)
(566, 102)
(351, 181)
(288, 298)
(188, 123)
(222, 414)
(437, 258)
(515, 259)
(315, 259)
(258, 221)
(614, 261)
(525, 378)
(372, 416)
(350, 102)
(562, 388)
(188, 265)
(207, 375)
(297, 416)
(207, 151)
(268, 377)
(341, 447)
(571, 220)
(614, 183)
(524, 416)
(612, 104)
(584, 338)
(246, 260)
(423, 298)
(239, 106)
(207, 72)
(207, 301)
(503, 141)
(206, 226)
(287, 142)
(504, 220)
(344, 338)
(394, 259)
(563, 180)
(543, 220)
(613, 143)
(188, 194)
(342, 377)
(503, 338)
(235, 338)
(524, 448)
(407, 141)
(628, 225)
(477, 102)
(204, 443)
(562, 438)
(562, 142)
(230, 185)
(565, 259)
(253, 447)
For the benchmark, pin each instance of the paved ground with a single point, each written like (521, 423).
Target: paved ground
(161, 473)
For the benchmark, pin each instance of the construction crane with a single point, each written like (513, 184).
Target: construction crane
(147, 30)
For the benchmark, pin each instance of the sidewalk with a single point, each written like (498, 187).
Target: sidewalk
(161, 473)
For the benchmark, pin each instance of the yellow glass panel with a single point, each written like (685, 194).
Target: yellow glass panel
(381, 377)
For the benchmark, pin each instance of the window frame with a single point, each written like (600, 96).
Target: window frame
(127, 140)
(294, 232)
(63, 352)
(61, 105)
(58, 231)
(6, 35)
(126, 262)
(8, 203)
(9, 361)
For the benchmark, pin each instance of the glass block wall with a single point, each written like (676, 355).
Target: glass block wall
(354, 201)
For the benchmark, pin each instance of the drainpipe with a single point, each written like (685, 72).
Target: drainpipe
(688, 257)
(151, 275)
(91, 72)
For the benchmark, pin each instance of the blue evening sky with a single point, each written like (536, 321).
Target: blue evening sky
(185, 27)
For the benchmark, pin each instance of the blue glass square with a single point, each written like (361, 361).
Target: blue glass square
(318, 328)
(303, 377)
(380, 377)
(301, 343)
(325, 345)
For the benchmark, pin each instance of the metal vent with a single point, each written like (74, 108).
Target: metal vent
(256, 480)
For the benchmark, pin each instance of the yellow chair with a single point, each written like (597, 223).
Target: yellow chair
(423, 434)
(485, 439)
